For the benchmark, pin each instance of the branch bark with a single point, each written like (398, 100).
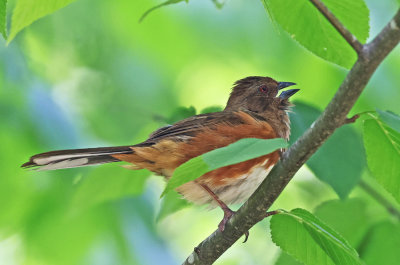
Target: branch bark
(334, 116)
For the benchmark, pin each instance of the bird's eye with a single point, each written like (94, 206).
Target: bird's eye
(263, 88)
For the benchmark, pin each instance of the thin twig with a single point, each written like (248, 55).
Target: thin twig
(253, 211)
(380, 199)
(350, 38)
(352, 119)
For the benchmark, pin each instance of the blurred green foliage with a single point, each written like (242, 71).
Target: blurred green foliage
(3, 6)
(166, 3)
(91, 75)
(26, 12)
(343, 146)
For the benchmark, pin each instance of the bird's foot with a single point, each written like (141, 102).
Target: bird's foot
(228, 213)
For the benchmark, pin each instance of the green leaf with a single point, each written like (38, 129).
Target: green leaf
(348, 217)
(382, 145)
(242, 150)
(108, 183)
(28, 11)
(166, 3)
(381, 245)
(301, 118)
(331, 162)
(309, 240)
(390, 118)
(3, 11)
(286, 259)
(171, 203)
(311, 29)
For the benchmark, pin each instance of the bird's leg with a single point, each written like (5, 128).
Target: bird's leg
(227, 211)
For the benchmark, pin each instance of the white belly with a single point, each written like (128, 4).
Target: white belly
(238, 190)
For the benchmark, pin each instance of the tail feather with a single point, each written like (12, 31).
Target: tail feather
(75, 158)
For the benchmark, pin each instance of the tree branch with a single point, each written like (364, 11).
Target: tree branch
(334, 116)
(346, 34)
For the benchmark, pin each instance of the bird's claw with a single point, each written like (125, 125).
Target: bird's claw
(228, 213)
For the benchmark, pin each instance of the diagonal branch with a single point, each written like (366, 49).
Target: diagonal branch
(334, 116)
(346, 34)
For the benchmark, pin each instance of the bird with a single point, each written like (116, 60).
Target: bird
(254, 110)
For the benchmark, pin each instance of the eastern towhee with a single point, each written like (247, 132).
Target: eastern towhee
(254, 110)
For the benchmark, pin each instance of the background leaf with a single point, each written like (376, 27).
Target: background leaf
(382, 244)
(171, 203)
(211, 109)
(27, 11)
(391, 119)
(310, 28)
(331, 162)
(382, 145)
(181, 113)
(3, 17)
(108, 183)
(309, 240)
(348, 217)
(242, 150)
(218, 3)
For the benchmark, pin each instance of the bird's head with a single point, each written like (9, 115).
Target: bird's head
(260, 95)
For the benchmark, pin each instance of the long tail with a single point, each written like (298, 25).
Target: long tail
(76, 157)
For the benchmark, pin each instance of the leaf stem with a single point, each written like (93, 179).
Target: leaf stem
(352, 119)
(380, 199)
(346, 34)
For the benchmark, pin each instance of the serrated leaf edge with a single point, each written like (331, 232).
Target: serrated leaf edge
(386, 132)
(352, 252)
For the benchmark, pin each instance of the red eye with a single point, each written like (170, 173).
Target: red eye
(263, 89)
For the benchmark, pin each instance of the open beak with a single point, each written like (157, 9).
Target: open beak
(288, 93)
(285, 84)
